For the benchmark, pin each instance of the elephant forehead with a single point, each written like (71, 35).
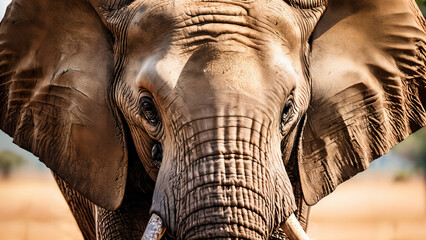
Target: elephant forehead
(191, 23)
(211, 70)
(213, 73)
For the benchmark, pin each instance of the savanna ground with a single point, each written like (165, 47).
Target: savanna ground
(370, 206)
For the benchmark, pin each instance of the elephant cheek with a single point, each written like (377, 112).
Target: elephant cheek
(223, 188)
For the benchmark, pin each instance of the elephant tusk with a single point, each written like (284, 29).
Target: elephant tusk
(155, 229)
(293, 229)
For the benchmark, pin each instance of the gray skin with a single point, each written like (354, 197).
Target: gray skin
(221, 117)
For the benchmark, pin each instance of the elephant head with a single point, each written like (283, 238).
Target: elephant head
(238, 110)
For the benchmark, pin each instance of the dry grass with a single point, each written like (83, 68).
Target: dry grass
(371, 208)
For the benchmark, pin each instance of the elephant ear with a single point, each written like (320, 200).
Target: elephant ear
(56, 64)
(368, 89)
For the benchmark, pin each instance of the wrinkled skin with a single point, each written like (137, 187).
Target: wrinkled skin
(221, 117)
(222, 151)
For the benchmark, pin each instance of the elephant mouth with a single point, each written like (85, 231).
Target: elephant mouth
(291, 230)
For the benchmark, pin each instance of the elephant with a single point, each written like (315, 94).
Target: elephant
(208, 119)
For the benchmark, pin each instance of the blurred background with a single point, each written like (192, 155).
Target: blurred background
(386, 202)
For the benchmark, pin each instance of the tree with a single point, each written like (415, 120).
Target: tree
(8, 161)
(422, 6)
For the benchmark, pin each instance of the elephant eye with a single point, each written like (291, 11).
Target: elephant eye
(287, 112)
(149, 111)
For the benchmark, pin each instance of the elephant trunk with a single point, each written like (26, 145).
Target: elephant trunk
(225, 197)
(227, 182)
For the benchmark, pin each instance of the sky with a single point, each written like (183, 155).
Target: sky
(3, 5)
